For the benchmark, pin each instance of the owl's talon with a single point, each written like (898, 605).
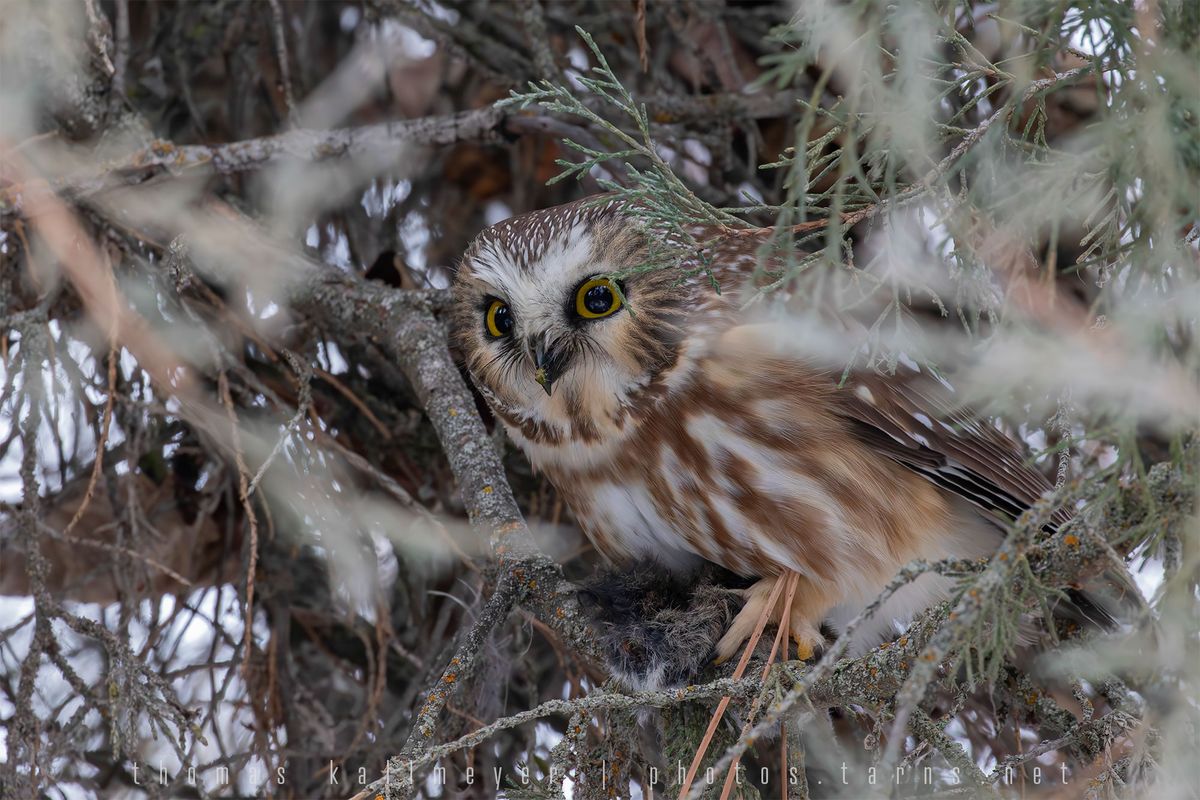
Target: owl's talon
(808, 639)
(746, 620)
(732, 640)
(808, 647)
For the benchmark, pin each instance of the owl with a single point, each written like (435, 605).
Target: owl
(680, 431)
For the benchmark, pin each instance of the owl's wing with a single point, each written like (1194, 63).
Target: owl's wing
(911, 417)
(914, 419)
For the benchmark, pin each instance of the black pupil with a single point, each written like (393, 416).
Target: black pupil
(502, 319)
(598, 299)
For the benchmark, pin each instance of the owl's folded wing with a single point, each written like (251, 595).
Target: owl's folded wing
(911, 418)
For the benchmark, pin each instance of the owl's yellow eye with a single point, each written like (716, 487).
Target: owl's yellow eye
(597, 298)
(499, 319)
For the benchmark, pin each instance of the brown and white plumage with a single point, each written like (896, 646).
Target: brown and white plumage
(676, 429)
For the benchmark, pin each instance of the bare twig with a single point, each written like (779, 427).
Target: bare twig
(248, 509)
(102, 441)
(120, 50)
(279, 29)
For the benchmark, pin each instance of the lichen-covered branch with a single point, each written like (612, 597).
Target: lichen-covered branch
(405, 329)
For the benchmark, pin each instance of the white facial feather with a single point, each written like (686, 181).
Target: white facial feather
(536, 270)
(536, 290)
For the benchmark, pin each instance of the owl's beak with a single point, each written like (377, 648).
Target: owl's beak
(548, 362)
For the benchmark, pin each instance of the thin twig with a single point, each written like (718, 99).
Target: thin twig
(125, 551)
(247, 508)
(304, 384)
(793, 582)
(281, 55)
(102, 441)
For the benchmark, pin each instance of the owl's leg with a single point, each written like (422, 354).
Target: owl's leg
(808, 607)
(808, 610)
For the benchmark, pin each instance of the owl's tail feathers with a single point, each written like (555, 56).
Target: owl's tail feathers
(1103, 604)
(1085, 609)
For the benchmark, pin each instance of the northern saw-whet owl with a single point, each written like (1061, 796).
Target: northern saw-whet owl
(678, 431)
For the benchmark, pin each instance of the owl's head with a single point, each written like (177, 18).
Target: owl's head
(551, 338)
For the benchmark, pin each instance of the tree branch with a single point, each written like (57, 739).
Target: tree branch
(163, 157)
(403, 326)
